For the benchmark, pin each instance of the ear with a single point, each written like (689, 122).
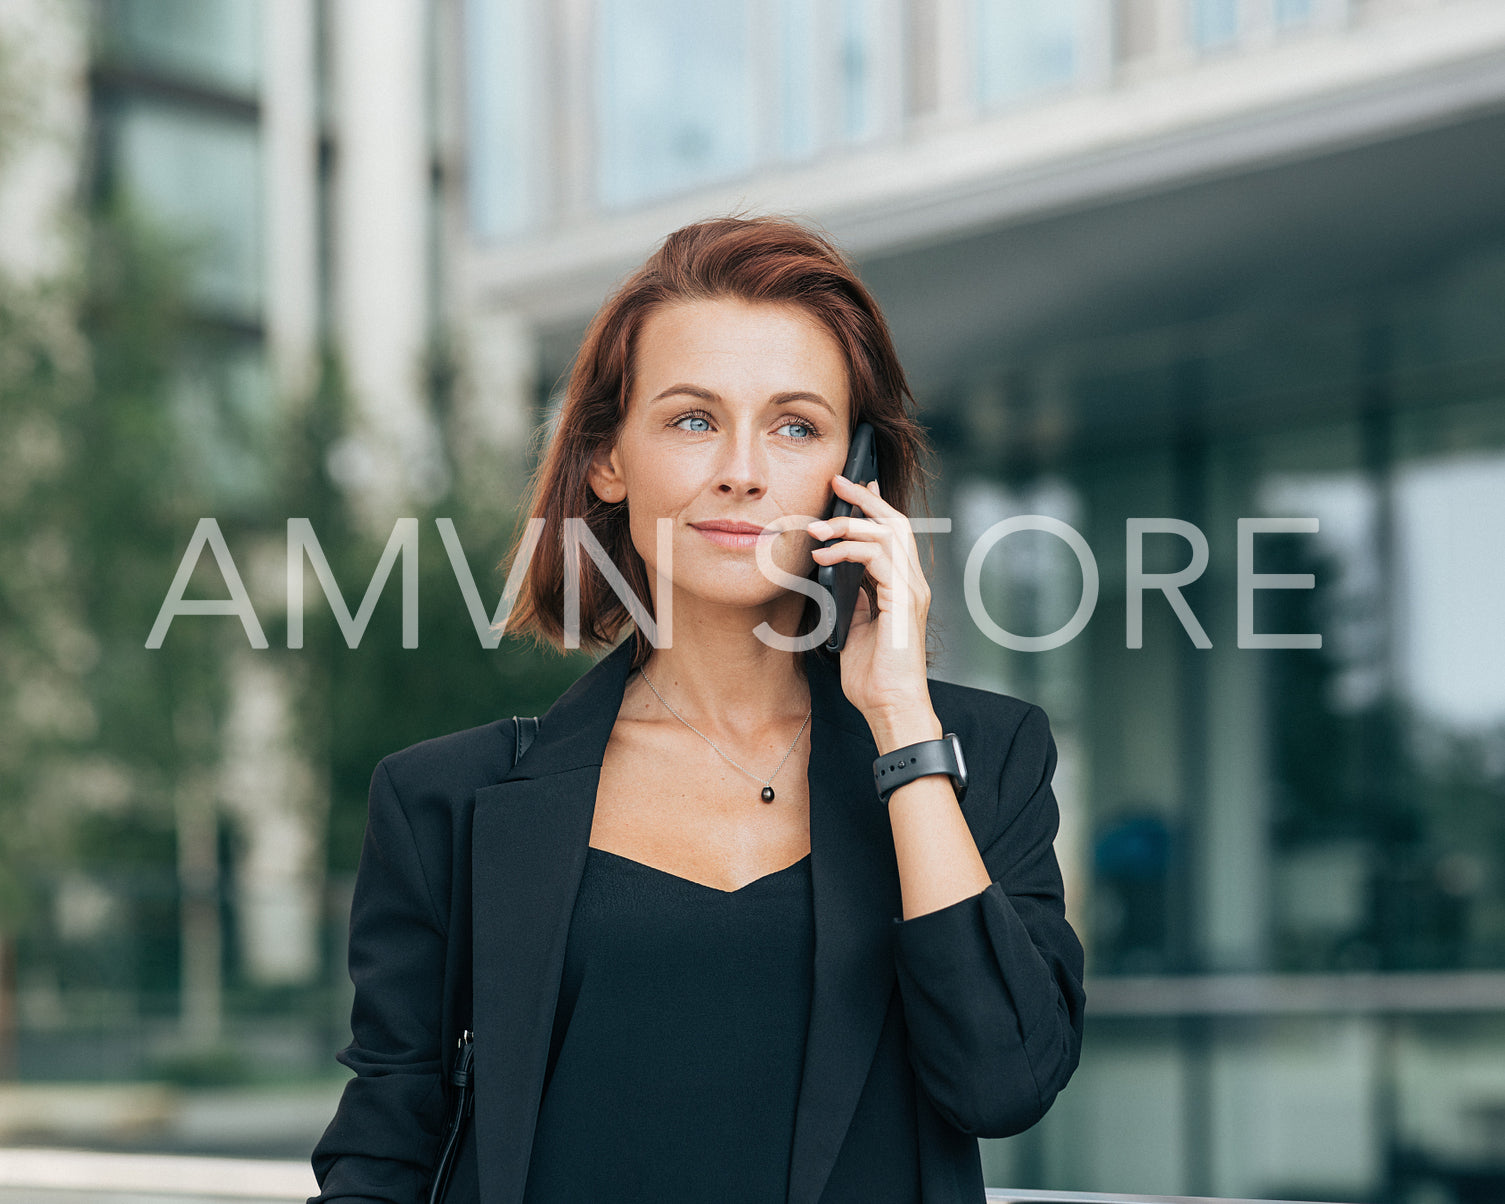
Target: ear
(606, 476)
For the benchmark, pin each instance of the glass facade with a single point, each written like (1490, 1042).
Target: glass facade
(799, 66)
(1292, 12)
(1026, 47)
(220, 400)
(1288, 862)
(504, 112)
(681, 96)
(177, 107)
(678, 96)
(675, 105)
(199, 174)
(1214, 23)
(213, 42)
(861, 28)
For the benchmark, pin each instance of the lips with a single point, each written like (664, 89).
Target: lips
(730, 528)
(730, 534)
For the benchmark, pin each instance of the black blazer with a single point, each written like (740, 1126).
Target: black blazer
(924, 1034)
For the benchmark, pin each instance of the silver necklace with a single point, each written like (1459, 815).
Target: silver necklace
(767, 783)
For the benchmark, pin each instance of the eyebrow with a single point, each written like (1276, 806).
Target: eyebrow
(778, 399)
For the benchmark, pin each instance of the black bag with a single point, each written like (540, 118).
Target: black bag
(462, 1096)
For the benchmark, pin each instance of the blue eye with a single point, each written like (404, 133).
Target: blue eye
(804, 426)
(694, 418)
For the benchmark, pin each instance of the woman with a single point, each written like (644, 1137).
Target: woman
(701, 958)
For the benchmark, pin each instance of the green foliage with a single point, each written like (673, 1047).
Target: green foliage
(47, 650)
(133, 481)
(107, 462)
(361, 704)
(100, 730)
(215, 1066)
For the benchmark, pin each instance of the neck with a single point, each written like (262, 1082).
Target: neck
(725, 680)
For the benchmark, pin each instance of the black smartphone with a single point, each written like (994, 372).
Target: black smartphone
(843, 580)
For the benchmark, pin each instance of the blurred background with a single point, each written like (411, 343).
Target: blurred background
(1195, 259)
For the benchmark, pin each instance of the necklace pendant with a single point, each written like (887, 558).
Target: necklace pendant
(768, 794)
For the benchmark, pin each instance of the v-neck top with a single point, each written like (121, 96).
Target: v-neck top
(679, 1039)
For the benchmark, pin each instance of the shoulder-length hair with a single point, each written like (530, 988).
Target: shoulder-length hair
(754, 259)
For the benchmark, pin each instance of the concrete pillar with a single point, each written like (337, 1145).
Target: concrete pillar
(381, 250)
(269, 789)
(494, 413)
(290, 167)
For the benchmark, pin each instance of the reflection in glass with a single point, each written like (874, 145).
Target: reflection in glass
(200, 175)
(1213, 23)
(798, 65)
(212, 41)
(675, 106)
(859, 29)
(1292, 12)
(503, 108)
(1026, 46)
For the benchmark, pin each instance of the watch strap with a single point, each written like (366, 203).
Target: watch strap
(904, 765)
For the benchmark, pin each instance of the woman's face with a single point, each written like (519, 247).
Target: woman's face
(738, 414)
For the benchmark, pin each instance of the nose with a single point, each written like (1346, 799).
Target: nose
(742, 470)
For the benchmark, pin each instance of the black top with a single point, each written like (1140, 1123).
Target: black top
(678, 1040)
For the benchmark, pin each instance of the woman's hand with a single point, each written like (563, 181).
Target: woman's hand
(883, 662)
(883, 674)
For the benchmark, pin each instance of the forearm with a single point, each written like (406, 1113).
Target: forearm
(991, 976)
(939, 862)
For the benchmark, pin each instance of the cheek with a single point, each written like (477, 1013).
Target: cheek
(818, 501)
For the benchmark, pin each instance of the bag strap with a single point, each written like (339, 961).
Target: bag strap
(525, 729)
(462, 1098)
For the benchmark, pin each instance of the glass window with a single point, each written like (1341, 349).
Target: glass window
(1292, 12)
(674, 106)
(222, 404)
(860, 27)
(1026, 46)
(798, 63)
(214, 41)
(504, 114)
(831, 71)
(1294, 809)
(1287, 864)
(1214, 23)
(201, 176)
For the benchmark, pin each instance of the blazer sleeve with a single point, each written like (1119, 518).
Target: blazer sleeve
(992, 985)
(384, 1138)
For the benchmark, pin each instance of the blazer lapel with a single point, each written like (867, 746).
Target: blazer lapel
(856, 885)
(528, 844)
(528, 849)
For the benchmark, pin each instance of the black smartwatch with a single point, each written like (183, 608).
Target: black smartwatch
(904, 765)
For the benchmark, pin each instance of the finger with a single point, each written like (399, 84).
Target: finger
(891, 579)
(848, 549)
(862, 496)
(872, 506)
(850, 526)
(854, 528)
(894, 593)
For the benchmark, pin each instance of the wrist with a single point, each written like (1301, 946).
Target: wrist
(910, 725)
(896, 771)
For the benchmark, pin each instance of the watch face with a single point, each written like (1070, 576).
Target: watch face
(961, 764)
